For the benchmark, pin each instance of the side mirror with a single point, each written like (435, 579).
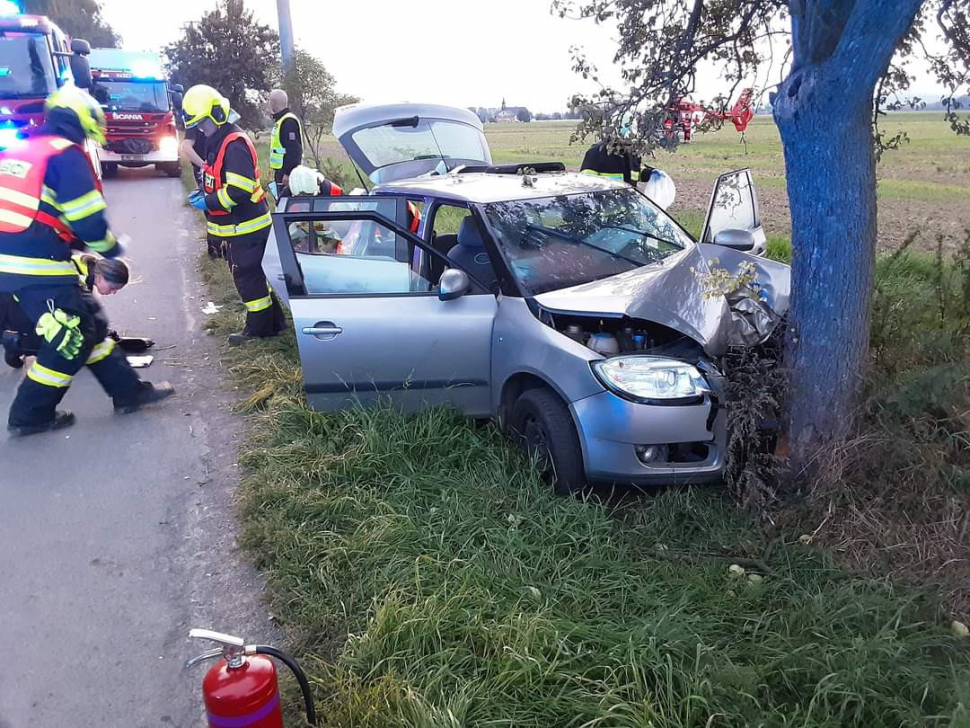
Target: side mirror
(81, 70)
(80, 47)
(742, 240)
(178, 88)
(177, 101)
(454, 284)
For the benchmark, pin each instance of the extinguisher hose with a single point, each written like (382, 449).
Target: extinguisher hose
(311, 713)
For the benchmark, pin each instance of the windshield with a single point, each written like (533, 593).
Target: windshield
(558, 242)
(26, 70)
(428, 139)
(132, 95)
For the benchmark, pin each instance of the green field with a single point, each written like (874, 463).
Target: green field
(923, 186)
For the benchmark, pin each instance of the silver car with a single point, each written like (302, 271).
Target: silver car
(569, 308)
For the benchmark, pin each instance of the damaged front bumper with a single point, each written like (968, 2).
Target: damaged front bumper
(644, 444)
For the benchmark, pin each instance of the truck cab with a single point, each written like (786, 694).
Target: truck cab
(140, 106)
(36, 58)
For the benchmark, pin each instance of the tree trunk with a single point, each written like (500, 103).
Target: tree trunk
(830, 168)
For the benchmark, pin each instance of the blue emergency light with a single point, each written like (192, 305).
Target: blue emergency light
(9, 7)
(146, 70)
(9, 136)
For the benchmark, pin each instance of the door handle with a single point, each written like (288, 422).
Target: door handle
(323, 330)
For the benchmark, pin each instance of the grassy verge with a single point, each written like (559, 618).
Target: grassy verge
(432, 580)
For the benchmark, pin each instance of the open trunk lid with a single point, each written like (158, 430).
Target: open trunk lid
(401, 141)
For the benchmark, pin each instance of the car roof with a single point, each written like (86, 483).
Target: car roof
(481, 187)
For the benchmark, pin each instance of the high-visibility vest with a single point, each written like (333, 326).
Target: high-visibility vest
(22, 172)
(212, 180)
(277, 152)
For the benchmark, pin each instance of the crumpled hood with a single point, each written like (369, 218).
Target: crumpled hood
(672, 294)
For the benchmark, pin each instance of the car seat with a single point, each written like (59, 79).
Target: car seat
(471, 255)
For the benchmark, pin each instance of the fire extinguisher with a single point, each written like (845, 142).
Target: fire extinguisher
(241, 689)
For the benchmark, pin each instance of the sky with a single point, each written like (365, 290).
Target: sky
(454, 52)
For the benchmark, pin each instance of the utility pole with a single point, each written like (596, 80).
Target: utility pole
(286, 33)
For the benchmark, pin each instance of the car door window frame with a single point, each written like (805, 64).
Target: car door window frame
(293, 274)
(706, 236)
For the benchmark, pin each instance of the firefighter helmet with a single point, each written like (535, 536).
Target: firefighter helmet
(81, 104)
(204, 102)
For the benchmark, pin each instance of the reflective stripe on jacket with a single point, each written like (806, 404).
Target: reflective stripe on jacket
(277, 151)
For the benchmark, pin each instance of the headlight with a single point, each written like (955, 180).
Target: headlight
(169, 146)
(650, 378)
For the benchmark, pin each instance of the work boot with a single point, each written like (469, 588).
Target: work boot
(62, 419)
(241, 337)
(147, 393)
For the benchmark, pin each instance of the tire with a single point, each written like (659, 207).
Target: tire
(109, 170)
(173, 169)
(542, 426)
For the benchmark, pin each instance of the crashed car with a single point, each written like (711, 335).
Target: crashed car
(569, 308)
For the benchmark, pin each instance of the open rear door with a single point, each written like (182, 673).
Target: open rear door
(734, 206)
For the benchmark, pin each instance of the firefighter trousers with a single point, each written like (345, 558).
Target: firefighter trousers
(50, 376)
(244, 253)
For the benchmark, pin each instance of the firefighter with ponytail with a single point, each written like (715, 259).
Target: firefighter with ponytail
(234, 203)
(50, 203)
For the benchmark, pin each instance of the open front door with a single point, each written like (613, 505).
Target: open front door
(734, 207)
(369, 321)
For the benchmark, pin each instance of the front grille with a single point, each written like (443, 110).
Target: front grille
(131, 146)
(131, 127)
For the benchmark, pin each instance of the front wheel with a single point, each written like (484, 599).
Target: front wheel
(173, 169)
(109, 170)
(543, 427)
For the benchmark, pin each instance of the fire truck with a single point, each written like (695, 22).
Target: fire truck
(141, 108)
(36, 59)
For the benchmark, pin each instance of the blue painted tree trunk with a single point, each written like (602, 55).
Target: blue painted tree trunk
(830, 168)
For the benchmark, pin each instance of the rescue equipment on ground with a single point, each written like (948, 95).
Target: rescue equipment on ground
(242, 688)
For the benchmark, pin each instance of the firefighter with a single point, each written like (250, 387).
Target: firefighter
(234, 202)
(106, 276)
(49, 201)
(286, 143)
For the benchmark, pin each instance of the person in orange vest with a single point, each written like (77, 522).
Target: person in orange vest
(50, 202)
(235, 207)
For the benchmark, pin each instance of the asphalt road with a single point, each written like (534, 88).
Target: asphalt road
(118, 534)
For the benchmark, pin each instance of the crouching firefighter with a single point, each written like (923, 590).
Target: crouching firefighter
(49, 201)
(235, 206)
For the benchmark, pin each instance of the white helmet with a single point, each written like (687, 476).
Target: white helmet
(305, 181)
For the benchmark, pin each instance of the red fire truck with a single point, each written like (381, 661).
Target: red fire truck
(141, 109)
(36, 58)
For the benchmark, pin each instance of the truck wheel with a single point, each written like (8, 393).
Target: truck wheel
(543, 427)
(109, 170)
(172, 170)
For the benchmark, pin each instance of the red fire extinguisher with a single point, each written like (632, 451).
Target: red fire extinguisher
(241, 690)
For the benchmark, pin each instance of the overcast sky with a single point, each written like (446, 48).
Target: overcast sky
(456, 52)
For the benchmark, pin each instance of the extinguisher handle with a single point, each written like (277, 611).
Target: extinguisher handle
(211, 654)
(227, 640)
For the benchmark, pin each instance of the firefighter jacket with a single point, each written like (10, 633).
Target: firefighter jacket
(49, 202)
(234, 197)
(619, 166)
(285, 145)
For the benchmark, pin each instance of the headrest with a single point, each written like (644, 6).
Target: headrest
(468, 234)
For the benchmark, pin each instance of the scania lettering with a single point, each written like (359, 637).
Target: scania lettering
(140, 106)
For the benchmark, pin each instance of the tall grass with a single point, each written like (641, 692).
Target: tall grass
(432, 579)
